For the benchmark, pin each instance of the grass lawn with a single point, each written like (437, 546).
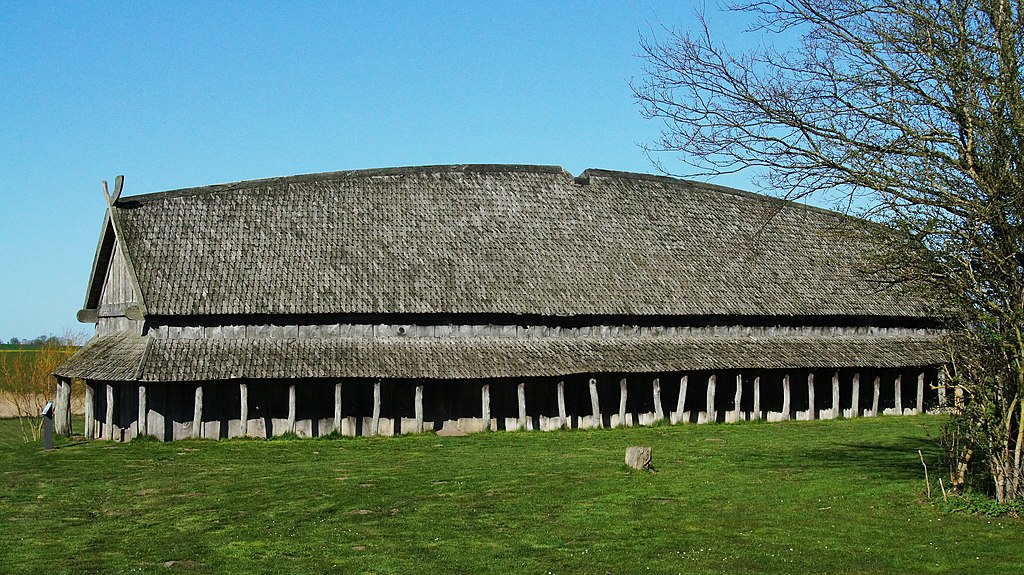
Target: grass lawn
(808, 497)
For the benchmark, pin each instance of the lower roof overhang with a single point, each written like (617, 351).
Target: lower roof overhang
(128, 357)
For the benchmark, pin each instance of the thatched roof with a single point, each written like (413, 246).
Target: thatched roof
(489, 240)
(127, 357)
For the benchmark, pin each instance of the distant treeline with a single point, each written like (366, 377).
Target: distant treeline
(36, 341)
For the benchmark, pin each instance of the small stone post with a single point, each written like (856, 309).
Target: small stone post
(638, 457)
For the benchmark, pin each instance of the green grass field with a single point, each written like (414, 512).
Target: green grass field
(809, 497)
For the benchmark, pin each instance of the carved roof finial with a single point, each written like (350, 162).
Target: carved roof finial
(118, 186)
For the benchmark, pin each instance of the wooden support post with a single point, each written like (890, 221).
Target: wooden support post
(375, 422)
(243, 409)
(338, 419)
(876, 397)
(419, 411)
(485, 405)
(563, 420)
(90, 411)
(62, 415)
(142, 427)
(290, 427)
(109, 431)
(197, 414)
(622, 402)
(855, 396)
(941, 384)
(811, 414)
(659, 414)
(595, 406)
(786, 397)
(522, 406)
(711, 413)
(757, 399)
(737, 399)
(681, 400)
(58, 406)
(836, 410)
(899, 394)
(919, 408)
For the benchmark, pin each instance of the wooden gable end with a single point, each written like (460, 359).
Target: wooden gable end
(118, 292)
(113, 301)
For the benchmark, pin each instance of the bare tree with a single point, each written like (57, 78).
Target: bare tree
(910, 111)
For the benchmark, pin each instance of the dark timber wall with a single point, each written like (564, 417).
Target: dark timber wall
(317, 407)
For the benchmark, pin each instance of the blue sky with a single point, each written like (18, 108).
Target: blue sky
(179, 94)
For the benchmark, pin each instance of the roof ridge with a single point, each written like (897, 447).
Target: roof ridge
(346, 174)
(584, 178)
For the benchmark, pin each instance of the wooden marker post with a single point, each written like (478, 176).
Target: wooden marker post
(595, 406)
